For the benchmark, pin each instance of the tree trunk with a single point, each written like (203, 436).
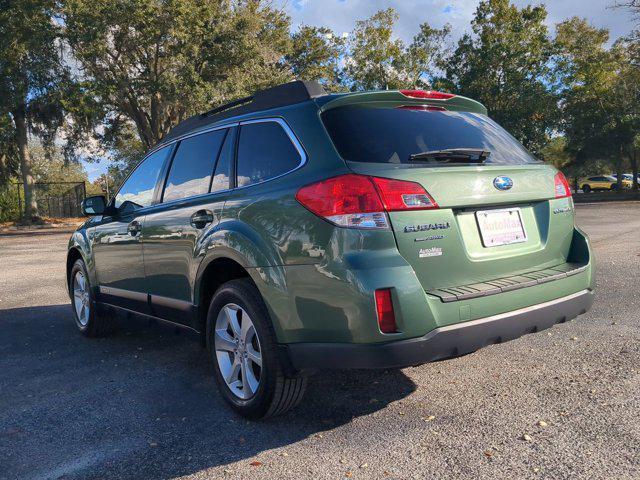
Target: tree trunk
(30, 203)
(634, 169)
(4, 170)
(619, 172)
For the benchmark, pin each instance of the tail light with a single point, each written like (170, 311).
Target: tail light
(360, 201)
(398, 195)
(384, 307)
(561, 186)
(429, 94)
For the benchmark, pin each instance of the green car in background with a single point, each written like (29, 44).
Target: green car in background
(298, 230)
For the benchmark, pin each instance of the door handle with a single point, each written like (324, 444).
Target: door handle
(201, 218)
(133, 228)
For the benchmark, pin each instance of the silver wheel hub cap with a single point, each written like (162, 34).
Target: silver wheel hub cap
(237, 350)
(81, 299)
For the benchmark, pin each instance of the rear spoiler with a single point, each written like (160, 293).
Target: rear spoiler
(399, 98)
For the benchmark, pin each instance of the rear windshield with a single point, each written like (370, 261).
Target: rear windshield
(392, 135)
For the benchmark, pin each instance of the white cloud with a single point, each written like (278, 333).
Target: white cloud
(341, 15)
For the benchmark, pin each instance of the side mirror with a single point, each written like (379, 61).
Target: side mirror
(95, 205)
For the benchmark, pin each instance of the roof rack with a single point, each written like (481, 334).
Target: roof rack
(278, 96)
(227, 106)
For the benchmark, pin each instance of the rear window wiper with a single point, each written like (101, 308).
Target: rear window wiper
(453, 155)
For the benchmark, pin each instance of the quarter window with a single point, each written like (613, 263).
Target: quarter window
(137, 191)
(264, 151)
(192, 166)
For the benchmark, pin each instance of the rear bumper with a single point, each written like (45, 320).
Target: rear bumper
(442, 342)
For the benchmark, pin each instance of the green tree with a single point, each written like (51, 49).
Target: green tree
(505, 64)
(600, 97)
(148, 65)
(9, 162)
(375, 59)
(426, 55)
(315, 55)
(556, 153)
(378, 61)
(32, 78)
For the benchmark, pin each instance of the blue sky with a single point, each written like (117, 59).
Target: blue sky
(341, 15)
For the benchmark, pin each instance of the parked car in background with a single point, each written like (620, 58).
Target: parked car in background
(598, 183)
(627, 180)
(297, 230)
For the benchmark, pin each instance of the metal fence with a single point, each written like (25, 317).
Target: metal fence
(55, 199)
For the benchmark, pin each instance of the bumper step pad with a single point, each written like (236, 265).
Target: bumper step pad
(507, 284)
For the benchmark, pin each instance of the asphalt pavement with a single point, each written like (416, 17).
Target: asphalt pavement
(563, 403)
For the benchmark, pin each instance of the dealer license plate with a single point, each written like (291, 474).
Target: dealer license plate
(501, 227)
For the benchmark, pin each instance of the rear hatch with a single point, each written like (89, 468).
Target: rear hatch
(496, 217)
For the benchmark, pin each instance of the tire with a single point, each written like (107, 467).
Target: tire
(92, 322)
(614, 187)
(586, 189)
(274, 393)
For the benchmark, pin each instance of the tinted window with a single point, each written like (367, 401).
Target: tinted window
(220, 180)
(391, 135)
(192, 166)
(137, 191)
(264, 151)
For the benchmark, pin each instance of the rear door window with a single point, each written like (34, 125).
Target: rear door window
(192, 166)
(364, 133)
(264, 151)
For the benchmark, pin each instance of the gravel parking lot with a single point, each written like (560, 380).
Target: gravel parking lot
(142, 404)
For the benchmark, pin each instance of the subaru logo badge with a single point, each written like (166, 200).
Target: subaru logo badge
(502, 183)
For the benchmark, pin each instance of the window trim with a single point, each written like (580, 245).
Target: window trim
(292, 138)
(236, 124)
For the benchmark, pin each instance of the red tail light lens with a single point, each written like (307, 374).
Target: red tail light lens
(348, 201)
(399, 195)
(384, 307)
(359, 201)
(431, 94)
(561, 186)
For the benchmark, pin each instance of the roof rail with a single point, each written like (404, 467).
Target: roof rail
(278, 96)
(227, 106)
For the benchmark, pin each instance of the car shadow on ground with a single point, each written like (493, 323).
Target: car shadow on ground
(143, 403)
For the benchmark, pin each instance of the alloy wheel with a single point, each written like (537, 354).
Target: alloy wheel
(81, 299)
(237, 349)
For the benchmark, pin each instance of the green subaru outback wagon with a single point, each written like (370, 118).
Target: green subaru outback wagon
(297, 230)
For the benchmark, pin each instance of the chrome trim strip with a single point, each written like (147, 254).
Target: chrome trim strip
(190, 134)
(122, 293)
(173, 303)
